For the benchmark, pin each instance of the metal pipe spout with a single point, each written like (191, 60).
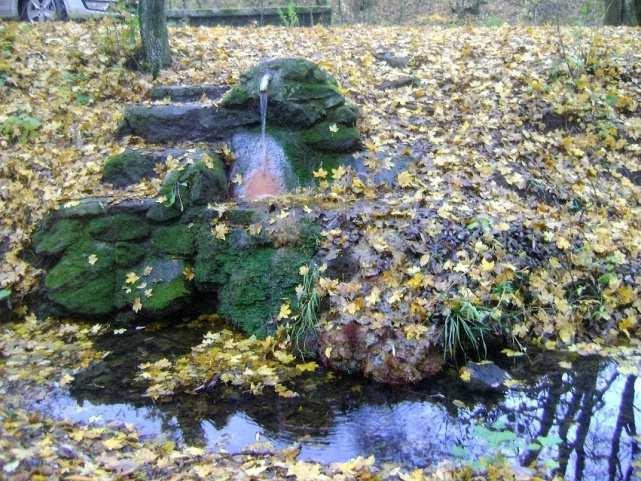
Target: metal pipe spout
(264, 83)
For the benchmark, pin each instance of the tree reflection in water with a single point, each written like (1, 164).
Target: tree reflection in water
(584, 419)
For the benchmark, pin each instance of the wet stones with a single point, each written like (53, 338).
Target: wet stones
(485, 377)
(385, 354)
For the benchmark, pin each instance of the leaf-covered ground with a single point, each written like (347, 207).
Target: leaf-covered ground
(510, 164)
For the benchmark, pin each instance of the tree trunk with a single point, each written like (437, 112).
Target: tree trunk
(155, 38)
(613, 12)
(636, 8)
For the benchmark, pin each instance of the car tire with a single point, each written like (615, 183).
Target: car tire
(43, 10)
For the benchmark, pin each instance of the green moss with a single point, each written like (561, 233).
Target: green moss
(167, 296)
(344, 114)
(258, 285)
(80, 286)
(321, 137)
(175, 240)
(300, 91)
(237, 96)
(128, 254)
(197, 184)
(60, 236)
(251, 276)
(165, 283)
(305, 160)
(310, 233)
(162, 213)
(240, 216)
(119, 227)
(128, 168)
(215, 259)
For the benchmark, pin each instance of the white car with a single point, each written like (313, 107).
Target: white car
(44, 10)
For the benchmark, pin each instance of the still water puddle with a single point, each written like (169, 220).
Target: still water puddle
(582, 424)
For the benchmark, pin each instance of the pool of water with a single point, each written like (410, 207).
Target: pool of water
(581, 423)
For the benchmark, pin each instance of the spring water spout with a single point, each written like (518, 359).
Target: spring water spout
(264, 84)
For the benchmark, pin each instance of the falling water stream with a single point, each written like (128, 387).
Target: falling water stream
(262, 179)
(264, 98)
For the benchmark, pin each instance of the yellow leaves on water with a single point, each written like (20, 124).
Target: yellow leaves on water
(247, 363)
(320, 173)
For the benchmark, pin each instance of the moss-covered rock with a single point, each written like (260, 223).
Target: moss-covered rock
(83, 281)
(252, 276)
(56, 239)
(257, 286)
(174, 240)
(163, 213)
(128, 168)
(128, 254)
(332, 137)
(344, 114)
(119, 227)
(303, 158)
(300, 92)
(161, 287)
(199, 183)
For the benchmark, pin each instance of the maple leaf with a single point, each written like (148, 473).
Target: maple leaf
(220, 231)
(132, 278)
(137, 305)
(320, 173)
(189, 274)
(285, 311)
(405, 179)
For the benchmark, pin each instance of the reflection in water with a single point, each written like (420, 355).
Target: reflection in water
(581, 423)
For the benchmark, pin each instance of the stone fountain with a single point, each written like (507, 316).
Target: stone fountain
(129, 261)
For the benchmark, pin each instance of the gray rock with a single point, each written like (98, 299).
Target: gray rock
(486, 377)
(187, 93)
(397, 83)
(190, 121)
(393, 60)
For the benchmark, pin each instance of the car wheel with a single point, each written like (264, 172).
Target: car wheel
(43, 10)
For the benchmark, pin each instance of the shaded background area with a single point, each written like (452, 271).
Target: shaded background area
(485, 12)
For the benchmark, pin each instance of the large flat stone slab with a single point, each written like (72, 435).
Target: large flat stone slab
(189, 121)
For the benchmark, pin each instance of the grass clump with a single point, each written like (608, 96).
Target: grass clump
(302, 329)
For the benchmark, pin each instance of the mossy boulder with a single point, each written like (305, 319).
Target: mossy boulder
(307, 117)
(254, 274)
(119, 265)
(300, 92)
(199, 183)
(332, 137)
(128, 168)
(83, 281)
(175, 240)
(118, 227)
(58, 237)
(251, 275)
(161, 287)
